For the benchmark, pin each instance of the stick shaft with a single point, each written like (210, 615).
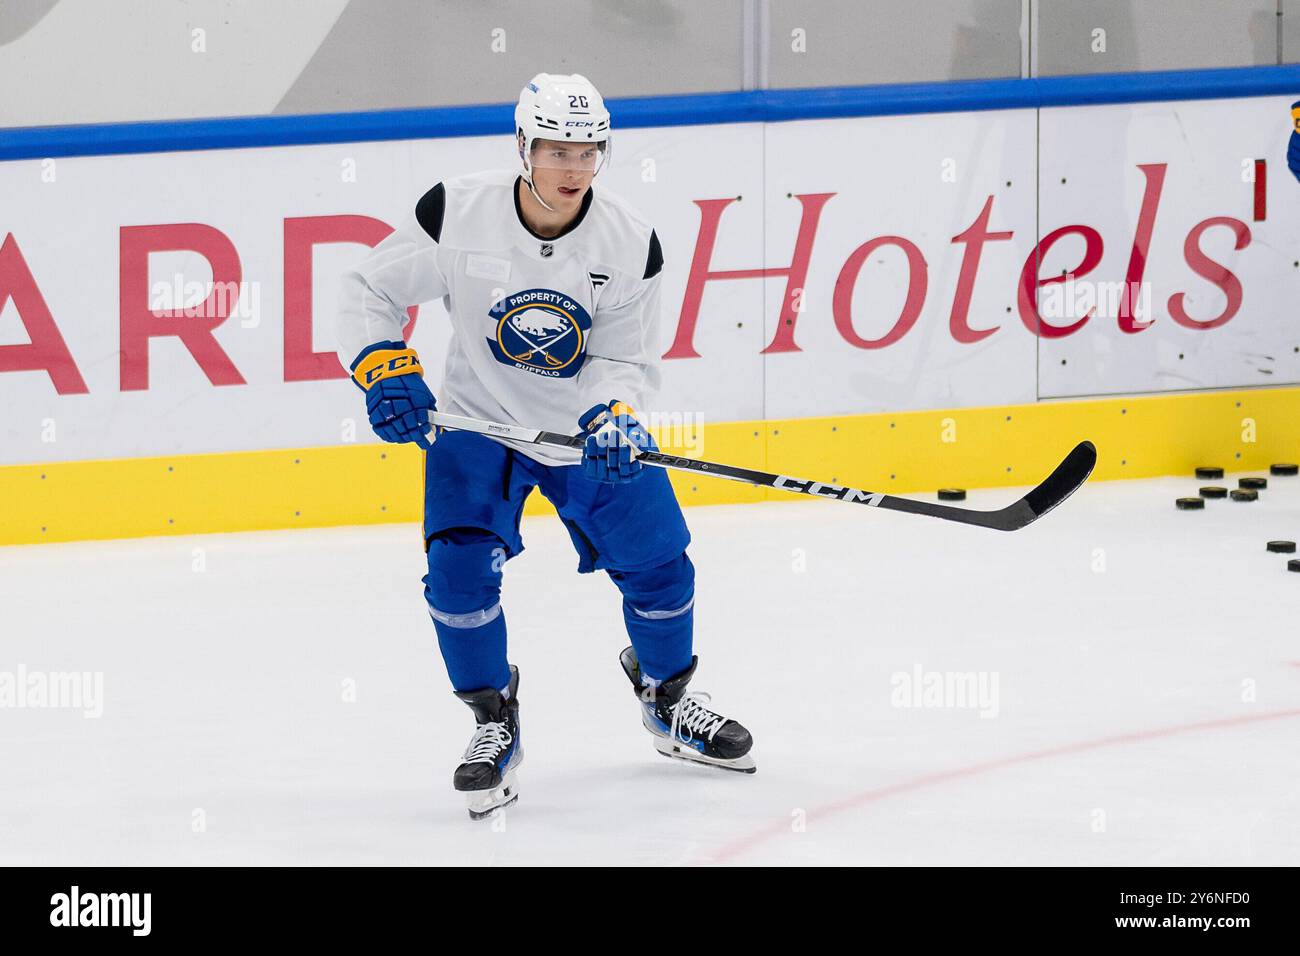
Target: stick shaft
(1072, 472)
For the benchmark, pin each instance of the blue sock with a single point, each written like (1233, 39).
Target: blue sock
(463, 591)
(658, 611)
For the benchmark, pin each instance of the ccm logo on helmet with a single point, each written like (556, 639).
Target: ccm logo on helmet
(579, 123)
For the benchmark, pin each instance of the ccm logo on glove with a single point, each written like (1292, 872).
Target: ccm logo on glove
(384, 362)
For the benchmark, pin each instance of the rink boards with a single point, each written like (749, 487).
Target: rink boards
(1137, 437)
(905, 335)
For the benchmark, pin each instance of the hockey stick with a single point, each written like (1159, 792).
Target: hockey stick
(1072, 472)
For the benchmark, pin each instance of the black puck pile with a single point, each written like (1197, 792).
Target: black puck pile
(1248, 489)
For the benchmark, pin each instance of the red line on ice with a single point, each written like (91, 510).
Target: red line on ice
(738, 847)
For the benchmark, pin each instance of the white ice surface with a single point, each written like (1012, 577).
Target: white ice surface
(1115, 626)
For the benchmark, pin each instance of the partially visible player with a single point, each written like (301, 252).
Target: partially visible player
(1293, 149)
(553, 292)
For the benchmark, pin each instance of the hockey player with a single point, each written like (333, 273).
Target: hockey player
(1293, 145)
(553, 293)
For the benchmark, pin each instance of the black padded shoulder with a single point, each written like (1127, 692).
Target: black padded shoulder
(655, 261)
(429, 211)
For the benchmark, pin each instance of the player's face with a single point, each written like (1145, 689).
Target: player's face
(562, 172)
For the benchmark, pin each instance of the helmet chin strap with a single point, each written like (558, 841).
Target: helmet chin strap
(528, 175)
(528, 178)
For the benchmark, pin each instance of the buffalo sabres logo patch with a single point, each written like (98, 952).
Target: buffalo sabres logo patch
(540, 331)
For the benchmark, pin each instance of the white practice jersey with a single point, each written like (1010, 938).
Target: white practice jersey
(542, 329)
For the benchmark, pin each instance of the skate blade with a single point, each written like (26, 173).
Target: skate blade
(484, 803)
(687, 754)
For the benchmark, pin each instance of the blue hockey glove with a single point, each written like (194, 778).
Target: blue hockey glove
(614, 440)
(1293, 150)
(397, 399)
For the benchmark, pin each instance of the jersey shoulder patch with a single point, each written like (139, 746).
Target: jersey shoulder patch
(429, 211)
(655, 261)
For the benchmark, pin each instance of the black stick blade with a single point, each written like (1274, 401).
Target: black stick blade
(1069, 475)
(1064, 480)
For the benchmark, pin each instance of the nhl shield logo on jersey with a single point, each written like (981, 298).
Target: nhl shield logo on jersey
(540, 331)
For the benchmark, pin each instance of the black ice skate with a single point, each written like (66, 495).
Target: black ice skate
(487, 776)
(683, 727)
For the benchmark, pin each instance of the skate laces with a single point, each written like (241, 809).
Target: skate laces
(698, 721)
(488, 742)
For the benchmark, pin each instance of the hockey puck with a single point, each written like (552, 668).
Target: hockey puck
(1259, 484)
(1281, 547)
(1209, 474)
(1283, 469)
(1244, 494)
(1214, 491)
(952, 494)
(1293, 564)
(1190, 504)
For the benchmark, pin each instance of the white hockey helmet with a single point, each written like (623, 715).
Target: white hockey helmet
(568, 109)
